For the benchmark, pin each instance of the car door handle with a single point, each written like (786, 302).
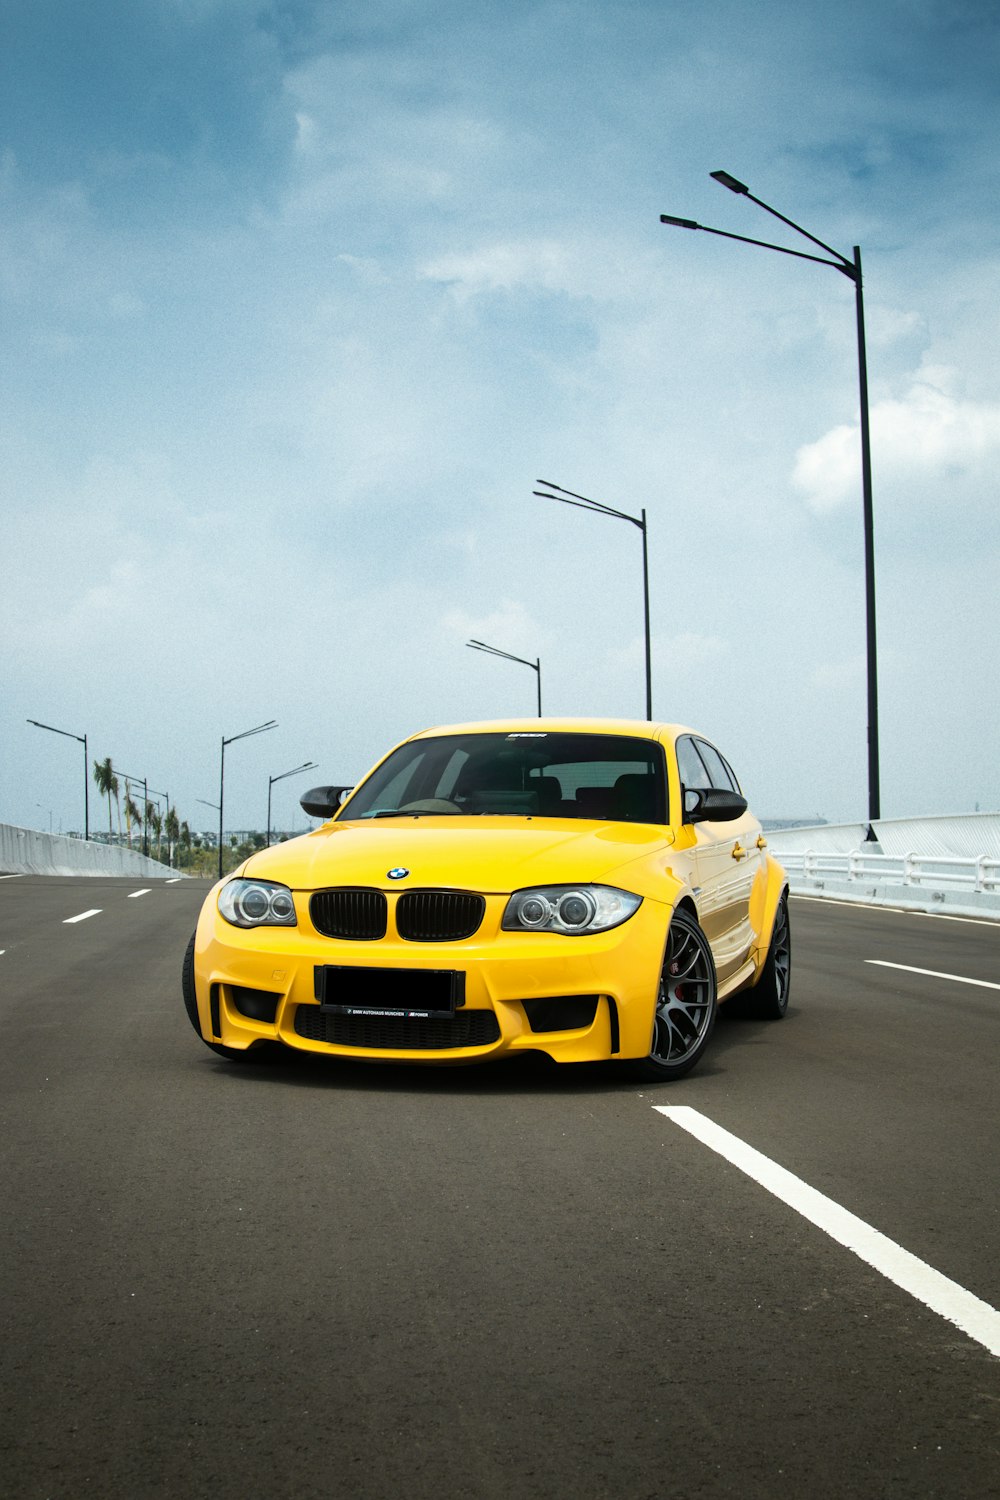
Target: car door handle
(739, 852)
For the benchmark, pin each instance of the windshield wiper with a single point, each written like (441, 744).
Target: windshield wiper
(403, 812)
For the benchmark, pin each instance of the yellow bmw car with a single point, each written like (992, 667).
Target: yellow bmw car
(586, 888)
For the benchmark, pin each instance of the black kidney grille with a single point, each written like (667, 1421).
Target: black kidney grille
(438, 916)
(359, 913)
(469, 1028)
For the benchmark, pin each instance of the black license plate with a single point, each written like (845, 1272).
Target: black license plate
(414, 994)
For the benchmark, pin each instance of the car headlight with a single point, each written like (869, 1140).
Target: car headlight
(571, 909)
(257, 903)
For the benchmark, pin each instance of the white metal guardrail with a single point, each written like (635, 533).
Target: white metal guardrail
(982, 874)
(930, 864)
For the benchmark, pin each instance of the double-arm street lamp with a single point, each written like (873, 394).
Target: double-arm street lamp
(852, 270)
(569, 497)
(259, 729)
(310, 765)
(536, 665)
(86, 769)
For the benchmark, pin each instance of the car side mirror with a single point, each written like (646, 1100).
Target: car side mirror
(323, 801)
(712, 804)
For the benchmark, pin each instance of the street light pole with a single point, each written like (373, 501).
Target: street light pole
(536, 665)
(310, 765)
(260, 729)
(569, 497)
(852, 270)
(86, 769)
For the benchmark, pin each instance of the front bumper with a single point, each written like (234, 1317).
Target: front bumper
(259, 984)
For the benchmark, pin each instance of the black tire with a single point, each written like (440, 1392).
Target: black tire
(261, 1052)
(768, 1000)
(685, 1003)
(187, 985)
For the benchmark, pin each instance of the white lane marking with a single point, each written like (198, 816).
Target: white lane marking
(176, 881)
(95, 911)
(132, 894)
(19, 876)
(943, 1296)
(984, 984)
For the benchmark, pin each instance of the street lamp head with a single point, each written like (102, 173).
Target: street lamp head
(728, 181)
(680, 223)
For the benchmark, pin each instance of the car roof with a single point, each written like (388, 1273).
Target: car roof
(638, 728)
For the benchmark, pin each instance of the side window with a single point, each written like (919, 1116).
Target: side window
(720, 773)
(732, 775)
(694, 773)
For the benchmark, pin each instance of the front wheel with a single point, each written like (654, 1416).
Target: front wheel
(685, 1003)
(263, 1052)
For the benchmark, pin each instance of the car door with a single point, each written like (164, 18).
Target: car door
(727, 857)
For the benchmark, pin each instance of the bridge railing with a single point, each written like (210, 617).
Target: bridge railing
(912, 869)
(929, 863)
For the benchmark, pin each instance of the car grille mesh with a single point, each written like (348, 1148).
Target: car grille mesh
(438, 916)
(360, 914)
(470, 1028)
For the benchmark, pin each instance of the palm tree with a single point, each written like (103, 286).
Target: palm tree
(157, 822)
(173, 828)
(107, 783)
(132, 815)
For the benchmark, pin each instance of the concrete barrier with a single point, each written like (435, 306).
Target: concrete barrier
(24, 851)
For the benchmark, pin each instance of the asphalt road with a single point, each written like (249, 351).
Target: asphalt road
(337, 1281)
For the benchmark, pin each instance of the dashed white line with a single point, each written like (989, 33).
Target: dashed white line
(95, 911)
(943, 1296)
(984, 984)
(132, 894)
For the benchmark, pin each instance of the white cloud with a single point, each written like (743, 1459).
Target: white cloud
(839, 676)
(930, 436)
(602, 268)
(689, 650)
(509, 628)
(504, 266)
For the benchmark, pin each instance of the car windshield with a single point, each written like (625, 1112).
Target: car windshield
(524, 773)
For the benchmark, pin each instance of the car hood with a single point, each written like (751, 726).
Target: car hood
(475, 853)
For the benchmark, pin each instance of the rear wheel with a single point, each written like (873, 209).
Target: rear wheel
(685, 1003)
(769, 997)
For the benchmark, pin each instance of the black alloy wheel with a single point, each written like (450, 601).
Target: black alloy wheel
(685, 1003)
(768, 999)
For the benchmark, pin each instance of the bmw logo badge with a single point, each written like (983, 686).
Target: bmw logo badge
(398, 873)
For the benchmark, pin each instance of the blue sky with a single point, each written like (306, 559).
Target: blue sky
(300, 299)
